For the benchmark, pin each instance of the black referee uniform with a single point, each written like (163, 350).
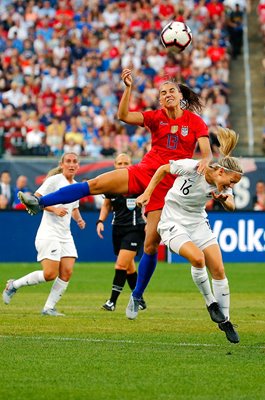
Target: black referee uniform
(128, 225)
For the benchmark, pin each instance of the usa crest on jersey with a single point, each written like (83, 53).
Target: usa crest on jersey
(174, 129)
(184, 130)
(131, 204)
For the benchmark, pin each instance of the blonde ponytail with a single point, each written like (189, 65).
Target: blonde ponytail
(228, 140)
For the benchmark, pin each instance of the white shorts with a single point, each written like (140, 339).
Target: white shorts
(54, 249)
(200, 234)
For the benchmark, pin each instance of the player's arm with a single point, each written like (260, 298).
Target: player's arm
(78, 218)
(206, 153)
(161, 172)
(104, 212)
(227, 200)
(133, 118)
(59, 211)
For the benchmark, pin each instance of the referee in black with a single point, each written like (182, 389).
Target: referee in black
(128, 233)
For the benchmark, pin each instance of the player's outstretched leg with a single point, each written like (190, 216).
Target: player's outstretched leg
(228, 328)
(64, 195)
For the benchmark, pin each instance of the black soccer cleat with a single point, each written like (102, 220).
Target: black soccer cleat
(228, 328)
(109, 306)
(142, 304)
(215, 313)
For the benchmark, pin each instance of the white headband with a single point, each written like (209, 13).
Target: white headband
(228, 169)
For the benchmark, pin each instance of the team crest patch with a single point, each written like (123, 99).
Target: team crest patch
(184, 130)
(131, 204)
(174, 129)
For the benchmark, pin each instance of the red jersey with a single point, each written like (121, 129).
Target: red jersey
(171, 139)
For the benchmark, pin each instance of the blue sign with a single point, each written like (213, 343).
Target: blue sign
(241, 236)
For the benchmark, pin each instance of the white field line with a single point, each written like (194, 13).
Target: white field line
(118, 341)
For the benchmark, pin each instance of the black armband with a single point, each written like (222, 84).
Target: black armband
(99, 221)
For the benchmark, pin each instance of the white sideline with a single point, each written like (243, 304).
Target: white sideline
(91, 340)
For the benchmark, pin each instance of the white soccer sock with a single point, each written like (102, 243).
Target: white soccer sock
(222, 295)
(58, 288)
(201, 280)
(34, 278)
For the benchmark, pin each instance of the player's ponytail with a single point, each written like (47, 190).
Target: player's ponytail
(228, 140)
(191, 100)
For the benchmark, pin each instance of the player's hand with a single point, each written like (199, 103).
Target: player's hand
(202, 166)
(60, 211)
(81, 223)
(100, 228)
(142, 200)
(219, 197)
(126, 76)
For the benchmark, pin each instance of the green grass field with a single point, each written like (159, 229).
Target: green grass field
(171, 351)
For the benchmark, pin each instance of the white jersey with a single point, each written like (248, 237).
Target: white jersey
(52, 226)
(185, 201)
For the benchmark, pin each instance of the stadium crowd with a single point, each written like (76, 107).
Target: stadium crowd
(61, 61)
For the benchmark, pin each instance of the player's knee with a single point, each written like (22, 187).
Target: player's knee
(95, 186)
(121, 266)
(218, 273)
(198, 260)
(151, 248)
(65, 275)
(50, 275)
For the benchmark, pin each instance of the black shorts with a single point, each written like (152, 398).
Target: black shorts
(128, 237)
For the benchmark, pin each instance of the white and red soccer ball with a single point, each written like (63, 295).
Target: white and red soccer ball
(176, 35)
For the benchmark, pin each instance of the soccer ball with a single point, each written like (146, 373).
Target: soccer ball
(176, 35)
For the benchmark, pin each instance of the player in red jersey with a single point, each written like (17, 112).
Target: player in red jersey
(175, 130)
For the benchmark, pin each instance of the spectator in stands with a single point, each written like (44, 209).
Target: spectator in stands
(259, 198)
(55, 136)
(65, 46)
(6, 189)
(3, 202)
(21, 185)
(235, 29)
(34, 138)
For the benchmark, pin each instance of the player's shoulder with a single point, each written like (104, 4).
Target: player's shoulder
(155, 114)
(192, 116)
(54, 178)
(184, 166)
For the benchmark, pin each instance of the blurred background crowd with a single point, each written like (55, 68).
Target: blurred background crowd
(61, 61)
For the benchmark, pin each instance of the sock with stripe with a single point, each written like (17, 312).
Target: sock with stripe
(118, 284)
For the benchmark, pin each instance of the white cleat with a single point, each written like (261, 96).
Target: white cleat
(52, 312)
(132, 308)
(9, 291)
